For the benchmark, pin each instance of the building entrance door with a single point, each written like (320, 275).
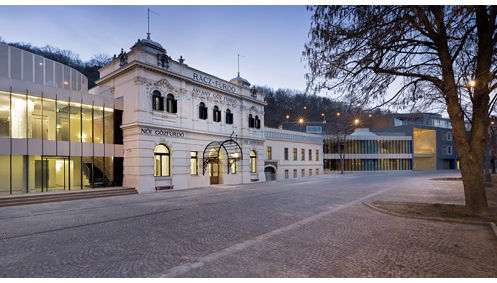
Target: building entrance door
(53, 173)
(214, 172)
(270, 173)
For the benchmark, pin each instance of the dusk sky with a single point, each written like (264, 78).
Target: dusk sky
(209, 37)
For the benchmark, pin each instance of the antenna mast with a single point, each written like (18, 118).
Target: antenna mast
(148, 21)
(239, 63)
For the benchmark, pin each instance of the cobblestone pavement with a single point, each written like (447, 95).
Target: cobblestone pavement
(310, 227)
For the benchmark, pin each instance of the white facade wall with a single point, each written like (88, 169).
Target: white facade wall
(278, 140)
(183, 132)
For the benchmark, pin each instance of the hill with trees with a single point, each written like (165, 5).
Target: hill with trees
(279, 103)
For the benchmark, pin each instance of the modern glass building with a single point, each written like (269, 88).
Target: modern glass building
(54, 134)
(433, 144)
(366, 151)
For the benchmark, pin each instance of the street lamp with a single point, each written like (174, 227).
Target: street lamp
(472, 83)
(301, 121)
(305, 107)
(338, 114)
(356, 122)
(287, 116)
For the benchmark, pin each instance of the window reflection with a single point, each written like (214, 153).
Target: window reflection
(98, 124)
(49, 119)
(86, 120)
(62, 120)
(75, 121)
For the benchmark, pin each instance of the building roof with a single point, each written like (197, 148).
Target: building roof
(240, 81)
(149, 45)
(362, 132)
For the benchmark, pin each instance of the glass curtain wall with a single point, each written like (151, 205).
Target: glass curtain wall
(62, 120)
(49, 119)
(26, 116)
(369, 164)
(370, 146)
(23, 116)
(98, 124)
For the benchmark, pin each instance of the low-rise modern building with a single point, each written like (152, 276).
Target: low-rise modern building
(433, 145)
(366, 151)
(291, 154)
(54, 134)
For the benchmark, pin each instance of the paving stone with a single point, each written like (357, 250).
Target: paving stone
(310, 227)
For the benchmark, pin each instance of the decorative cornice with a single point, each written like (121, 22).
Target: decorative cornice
(137, 64)
(146, 125)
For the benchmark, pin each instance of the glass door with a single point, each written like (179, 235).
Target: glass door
(55, 173)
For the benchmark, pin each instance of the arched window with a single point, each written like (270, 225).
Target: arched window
(216, 114)
(202, 111)
(251, 121)
(257, 122)
(253, 161)
(229, 117)
(162, 161)
(157, 100)
(171, 104)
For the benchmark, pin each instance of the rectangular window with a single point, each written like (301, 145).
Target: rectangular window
(302, 152)
(310, 172)
(5, 117)
(49, 119)
(269, 153)
(98, 124)
(317, 154)
(294, 154)
(193, 163)
(62, 120)
(5, 174)
(449, 136)
(108, 125)
(87, 121)
(449, 150)
(286, 153)
(302, 172)
(286, 173)
(234, 166)
(295, 173)
(18, 116)
(75, 116)
(18, 173)
(76, 178)
(317, 172)
(310, 155)
(34, 114)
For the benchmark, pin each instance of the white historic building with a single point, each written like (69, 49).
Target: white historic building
(182, 127)
(150, 123)
(291, 154)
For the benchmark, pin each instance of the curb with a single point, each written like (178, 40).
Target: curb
(493, 227)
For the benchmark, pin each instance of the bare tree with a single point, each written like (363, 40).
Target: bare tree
(443, 54)
(343, 124)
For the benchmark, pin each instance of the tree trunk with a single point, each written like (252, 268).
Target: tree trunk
(471, 150)
(474, 186)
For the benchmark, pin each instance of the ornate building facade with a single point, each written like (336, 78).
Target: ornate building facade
(182, 127)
